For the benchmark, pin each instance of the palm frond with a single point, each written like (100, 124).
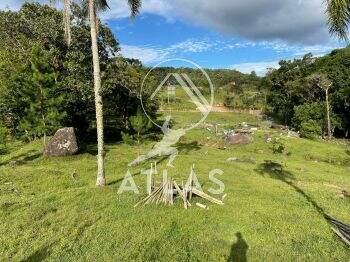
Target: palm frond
(338, 16)
(101, 5)
(135, 6)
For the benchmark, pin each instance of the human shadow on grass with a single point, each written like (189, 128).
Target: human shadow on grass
(276, 171)
(239, 250)
(22, 158)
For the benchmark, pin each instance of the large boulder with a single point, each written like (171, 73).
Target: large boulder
(238, 139)
(63, 143)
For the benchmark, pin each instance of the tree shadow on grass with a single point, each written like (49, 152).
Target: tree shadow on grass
(347, 151)
(182, 147)
(113, 182)
(188, 147)
(276, 171)
(22, 158)
(157, 161)
(39, 255)
(91, 149)
(239, 249)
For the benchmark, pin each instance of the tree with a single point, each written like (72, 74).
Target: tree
(66, 15)
(44, 113)
(93, 6)
(338, 16)
(41, 25)
(322, 81)
(141, 124)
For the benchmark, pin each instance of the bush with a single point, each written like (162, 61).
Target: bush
(310, 129)
(314, 117)
(127, 139)
(3, 139)
(141, 124)
(278, 145)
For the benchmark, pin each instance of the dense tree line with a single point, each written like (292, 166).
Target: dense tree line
(296, 99)
(218, 77)
(235, 89)
(45, 84)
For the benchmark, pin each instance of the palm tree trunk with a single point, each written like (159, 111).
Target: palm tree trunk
(66, 20)
(101, 180)
(328, 117)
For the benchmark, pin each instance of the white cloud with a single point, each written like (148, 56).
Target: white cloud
(120, 9)
(191, 46)
(300, 22)
(260, 68)
(152, 54)
(260, 20)
(146, 54)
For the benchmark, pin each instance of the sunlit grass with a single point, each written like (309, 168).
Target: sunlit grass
(47, 213)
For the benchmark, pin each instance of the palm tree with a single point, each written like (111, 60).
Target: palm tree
(322, 81)
(66, 13)
(338, 16)
(66, 21)
(93, 7)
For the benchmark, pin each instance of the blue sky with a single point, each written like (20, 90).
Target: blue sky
(246, 35)
(242, 34)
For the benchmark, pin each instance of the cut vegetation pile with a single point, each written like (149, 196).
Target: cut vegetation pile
(169, 190)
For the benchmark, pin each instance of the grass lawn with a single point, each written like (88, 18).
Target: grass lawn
(269, 214)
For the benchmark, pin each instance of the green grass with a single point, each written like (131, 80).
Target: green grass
(47, 215)
(180, 101)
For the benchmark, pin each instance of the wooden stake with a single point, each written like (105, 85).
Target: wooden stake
(149, 181)
(207, 197)
(201, 206)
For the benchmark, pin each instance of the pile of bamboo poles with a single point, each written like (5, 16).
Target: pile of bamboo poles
(341, 229)
(169, 190)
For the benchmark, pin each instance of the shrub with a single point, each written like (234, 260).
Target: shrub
(141, 124)
(278, 145)
(312, 117)
(3, 139)
(127, 139)
(310, 129)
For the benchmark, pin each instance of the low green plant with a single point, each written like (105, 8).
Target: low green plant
(278, 145)
(127, 139)
(310, 129)
(3, 139)
(141, 124)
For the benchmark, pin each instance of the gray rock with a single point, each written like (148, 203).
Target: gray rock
(280, 127)
(293, 134)
(268, 138)
(244, 160)
(63, 143)
(238, 139)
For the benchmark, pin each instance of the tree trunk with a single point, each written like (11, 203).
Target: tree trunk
(328, 117)
(101, 180)
(66, 21)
